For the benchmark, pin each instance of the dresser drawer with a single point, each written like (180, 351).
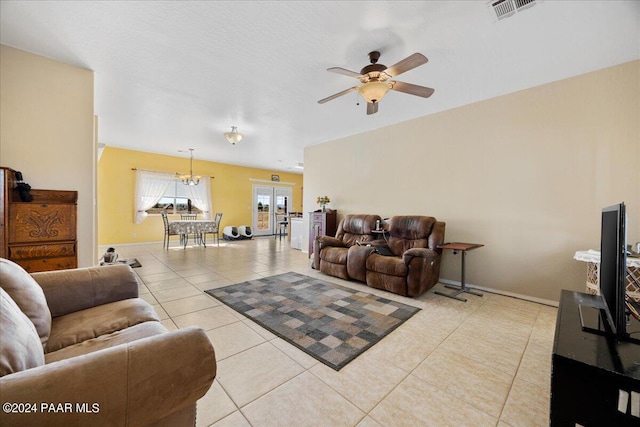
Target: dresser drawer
(24, 252)
(48, 264)
(42, 222)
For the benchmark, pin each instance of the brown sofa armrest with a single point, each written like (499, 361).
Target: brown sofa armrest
(357, 262)
(412, 253)
(68, 291)
(132, 384)
(424, 270)
(330, 241)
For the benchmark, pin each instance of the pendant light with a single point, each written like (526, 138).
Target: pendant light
(190, 179)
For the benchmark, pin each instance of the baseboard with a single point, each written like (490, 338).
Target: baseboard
(505, 293)
(445, 281)
(115, 245)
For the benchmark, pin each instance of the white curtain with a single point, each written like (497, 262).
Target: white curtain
(150, 187)
(200, 196)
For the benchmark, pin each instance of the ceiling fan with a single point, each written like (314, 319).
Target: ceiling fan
(377, 80)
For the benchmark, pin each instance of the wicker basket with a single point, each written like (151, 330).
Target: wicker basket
(592, 258)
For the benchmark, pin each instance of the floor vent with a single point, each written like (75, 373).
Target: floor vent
(501, 9)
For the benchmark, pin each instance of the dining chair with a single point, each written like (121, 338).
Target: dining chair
(167, 232)
(216, 231)
(197, 237)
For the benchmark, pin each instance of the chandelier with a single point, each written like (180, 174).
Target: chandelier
(190, 179)
(234, 136)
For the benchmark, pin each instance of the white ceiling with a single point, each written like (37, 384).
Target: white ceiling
(175, 75)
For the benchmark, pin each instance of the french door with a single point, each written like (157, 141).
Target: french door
(270, 205)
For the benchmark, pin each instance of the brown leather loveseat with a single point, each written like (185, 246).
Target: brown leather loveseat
(342, 256)
(414, 265)
(78, 347)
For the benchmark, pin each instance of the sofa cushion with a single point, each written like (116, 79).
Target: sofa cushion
(406, 232)
(28, 295)
(81, 288)
(20, 345)
(74, 328)
(390, 265)
(124, 336)
(357, 228)
(335, 255)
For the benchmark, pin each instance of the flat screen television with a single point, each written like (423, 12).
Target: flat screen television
(613, 261)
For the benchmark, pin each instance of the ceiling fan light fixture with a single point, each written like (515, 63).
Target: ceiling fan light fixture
(373, 92)
(234, 136)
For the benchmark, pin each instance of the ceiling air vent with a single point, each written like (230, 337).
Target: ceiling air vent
(501, 9)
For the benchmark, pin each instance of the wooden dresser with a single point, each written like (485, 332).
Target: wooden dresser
(39, 235)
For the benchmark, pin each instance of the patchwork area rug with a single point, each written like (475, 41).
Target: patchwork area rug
(331, 323)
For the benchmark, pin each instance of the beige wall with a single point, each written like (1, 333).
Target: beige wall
(47, 132)
(527, 174)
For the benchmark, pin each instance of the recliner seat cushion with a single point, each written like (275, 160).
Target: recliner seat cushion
(20, 345)
(28, 295)
(393, 266)
(335, 255)
(334, 262)
(104, 319)
(139, 331)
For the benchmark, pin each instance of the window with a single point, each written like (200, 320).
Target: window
(156, 191)
(175, 201)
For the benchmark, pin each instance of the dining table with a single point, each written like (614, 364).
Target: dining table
(197, 227)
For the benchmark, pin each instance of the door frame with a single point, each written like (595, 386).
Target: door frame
(275, 189)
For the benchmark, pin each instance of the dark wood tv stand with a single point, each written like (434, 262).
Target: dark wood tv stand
(592, 373)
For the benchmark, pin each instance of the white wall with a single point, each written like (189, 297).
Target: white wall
(527, 174)
(47, 132)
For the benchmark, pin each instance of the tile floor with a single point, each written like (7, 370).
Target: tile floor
(483, 362)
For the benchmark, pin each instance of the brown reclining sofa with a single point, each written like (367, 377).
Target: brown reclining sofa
(406, 262)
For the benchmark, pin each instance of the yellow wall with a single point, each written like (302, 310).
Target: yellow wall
(47, 132)
(231, 192)
(527, 174)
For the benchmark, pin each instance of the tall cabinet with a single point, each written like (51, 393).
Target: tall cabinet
(39, 235)
(321, 224)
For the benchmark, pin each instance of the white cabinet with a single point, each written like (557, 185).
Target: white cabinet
(296, 229)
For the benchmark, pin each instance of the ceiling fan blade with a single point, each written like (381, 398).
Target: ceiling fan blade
(344, 92)
(372, 108)
(409, 63)
(412, 89)
(344, 72)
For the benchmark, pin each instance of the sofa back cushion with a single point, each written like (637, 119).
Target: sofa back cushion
(28, 295)
(411, 231)
(356, 227)
(20, 346)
